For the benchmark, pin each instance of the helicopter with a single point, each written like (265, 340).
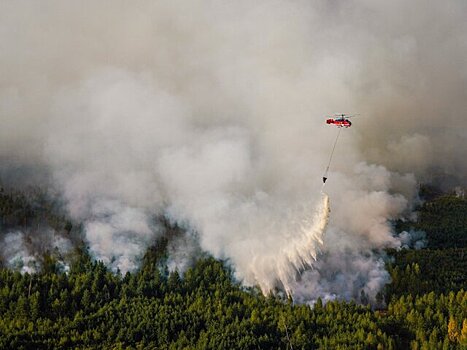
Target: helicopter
(340, 120)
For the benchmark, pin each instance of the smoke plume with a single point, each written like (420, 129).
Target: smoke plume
(212, 114)
(24, 251)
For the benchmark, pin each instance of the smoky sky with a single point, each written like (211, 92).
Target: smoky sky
(212, 114)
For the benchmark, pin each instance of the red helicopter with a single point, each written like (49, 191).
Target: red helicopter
(340, 120)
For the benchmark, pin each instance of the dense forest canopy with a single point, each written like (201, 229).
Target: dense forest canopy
(88, 306)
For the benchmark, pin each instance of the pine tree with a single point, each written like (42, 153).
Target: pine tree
(463, 337)
(453, 331)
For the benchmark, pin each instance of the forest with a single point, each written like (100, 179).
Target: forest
(89, 307)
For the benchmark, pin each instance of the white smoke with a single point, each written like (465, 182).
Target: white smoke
(17, 255)
(412, 239)
(342, 275)
(182, 250)
(23, 251)
(129, 229)
(212, 113)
